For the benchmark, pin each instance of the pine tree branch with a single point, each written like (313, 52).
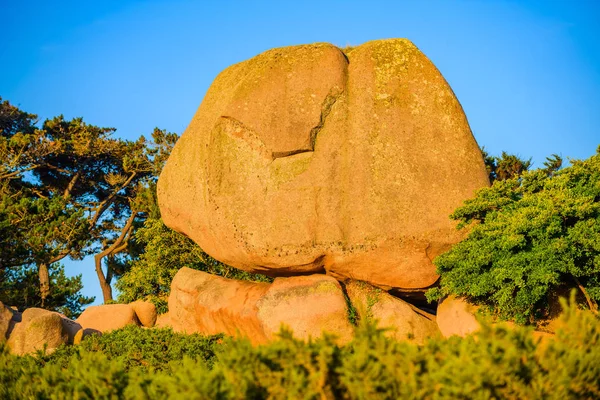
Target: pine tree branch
(103, 205)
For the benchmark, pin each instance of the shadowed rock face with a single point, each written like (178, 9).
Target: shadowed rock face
(401, 320)
(305, 159)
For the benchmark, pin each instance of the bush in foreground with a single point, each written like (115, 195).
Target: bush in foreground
(495, 363)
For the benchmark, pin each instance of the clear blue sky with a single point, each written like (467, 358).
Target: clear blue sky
(526, 72)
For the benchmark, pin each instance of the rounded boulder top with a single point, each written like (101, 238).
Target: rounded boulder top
(310, 158)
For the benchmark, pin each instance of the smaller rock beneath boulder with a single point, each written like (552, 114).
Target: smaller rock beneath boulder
(107, 317)
(309, 305)
(209, 304)
(455, 316)
(145, 311)
(38, 328)
(6, 315)
(402, 320)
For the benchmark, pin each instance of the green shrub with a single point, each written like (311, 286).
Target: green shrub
(136, 347)
(529, 235)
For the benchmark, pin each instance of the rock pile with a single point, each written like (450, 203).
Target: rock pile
(308, 305)
(315, 160)
(325, 163)
(39, 329)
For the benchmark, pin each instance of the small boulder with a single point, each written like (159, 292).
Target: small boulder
(402, 320)
(308, 305)
(145, 311)
(71, 328)
(107, 317)
(83, 333)
(209, 304)
(37, 330)
(455, 316)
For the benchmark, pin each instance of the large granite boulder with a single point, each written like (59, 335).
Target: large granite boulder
(401, 320)
(309, 159)
(209, 304)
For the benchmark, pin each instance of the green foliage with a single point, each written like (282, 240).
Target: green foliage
(138, 348)
(71, 189)
(529, 235)
(508, 166)
(352, 311)
(19, 287)
(496, 363)
(165, 252)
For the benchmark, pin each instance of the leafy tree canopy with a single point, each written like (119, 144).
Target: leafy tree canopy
(529, 235)
(68, 188)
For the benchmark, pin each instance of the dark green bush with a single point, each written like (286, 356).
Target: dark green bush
(530, 236)
(495, 363)
(136, 347)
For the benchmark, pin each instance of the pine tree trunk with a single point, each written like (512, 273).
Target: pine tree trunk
(44, 275)
(119, 245)
(104, 284)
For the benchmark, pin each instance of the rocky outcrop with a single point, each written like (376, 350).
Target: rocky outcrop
(107, 317)
(307, 159)
(38, 329)
(401, 320)
(208, 304)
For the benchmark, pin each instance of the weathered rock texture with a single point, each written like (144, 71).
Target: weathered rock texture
(72, 329)
(38, 329)
(163, 321)
(309, 305)
(402, 320)
(305, 159)
(145, 312)
(456, 317)
(6, 315)
(107, 317)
